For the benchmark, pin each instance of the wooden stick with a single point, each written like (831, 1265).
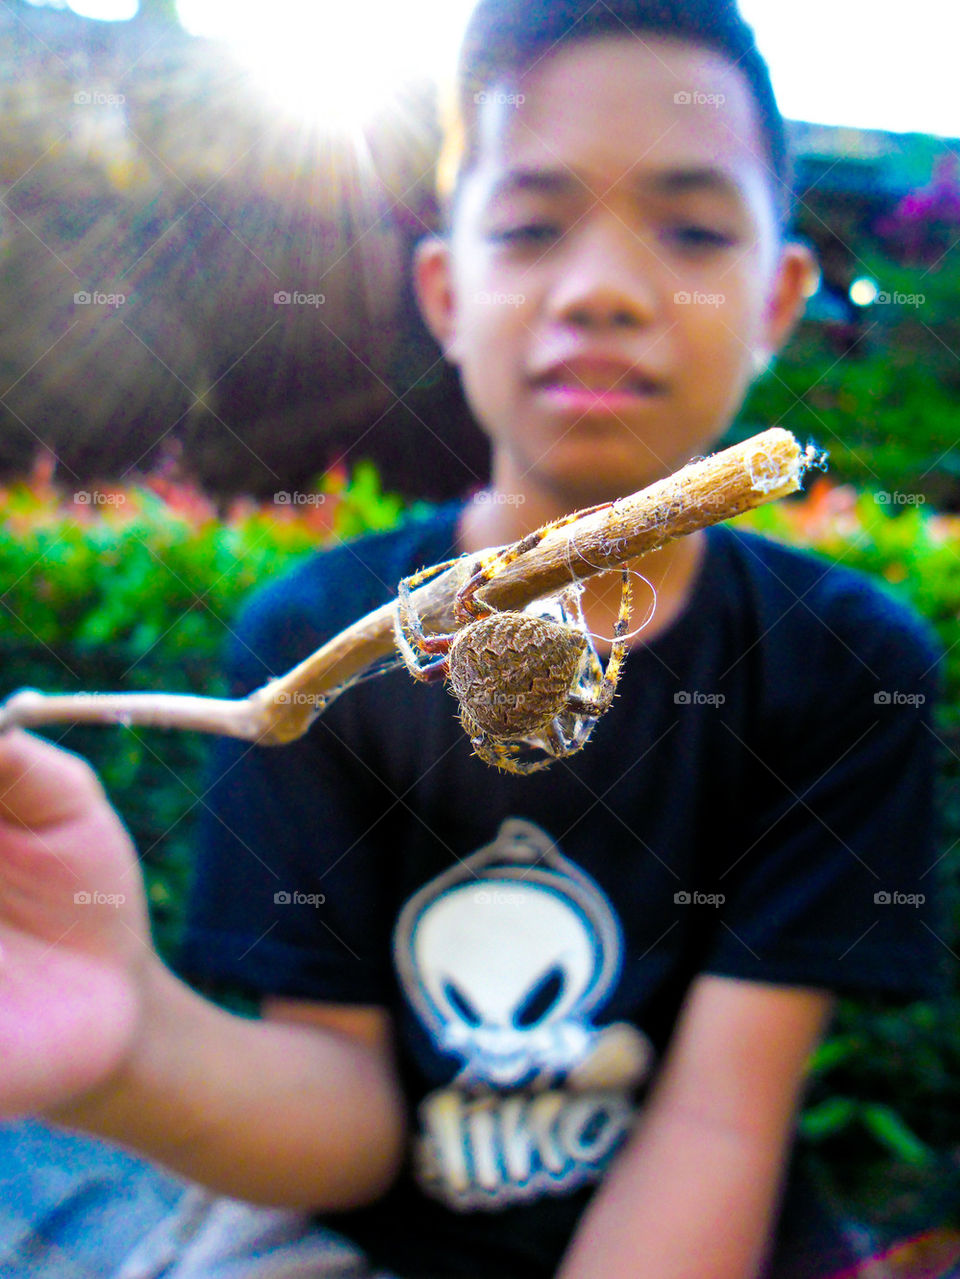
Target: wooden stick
(766, 467)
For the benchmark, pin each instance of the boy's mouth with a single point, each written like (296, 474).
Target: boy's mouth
(593, 384)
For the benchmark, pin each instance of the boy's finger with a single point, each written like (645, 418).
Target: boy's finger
(40, 784)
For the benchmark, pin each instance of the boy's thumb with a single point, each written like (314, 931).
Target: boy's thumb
(40, 784)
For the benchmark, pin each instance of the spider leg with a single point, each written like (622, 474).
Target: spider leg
(593, 707)
(562, 739)
(571, 609)
(504, 755)
(431, 673)
(410, 623)
(425, 574)
(554, 741)
(468, 608)
(506, 759)
(590, 674)
(411, 640)
(530, 765)
(583, 727)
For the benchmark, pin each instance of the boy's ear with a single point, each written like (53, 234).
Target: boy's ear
(796, 273)
(433, 282)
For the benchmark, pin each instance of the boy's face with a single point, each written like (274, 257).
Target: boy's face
(614, 269)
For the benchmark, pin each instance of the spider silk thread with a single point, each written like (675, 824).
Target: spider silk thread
(604, 639)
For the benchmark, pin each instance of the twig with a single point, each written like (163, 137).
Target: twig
(766, 467)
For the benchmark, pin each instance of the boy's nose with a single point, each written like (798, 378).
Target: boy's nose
(603, 290)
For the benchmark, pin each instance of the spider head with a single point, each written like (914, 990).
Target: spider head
(513, 673)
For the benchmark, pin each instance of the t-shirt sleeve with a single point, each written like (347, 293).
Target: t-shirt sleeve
(831, 878)
(287, 892)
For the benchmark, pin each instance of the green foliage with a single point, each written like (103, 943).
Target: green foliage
(364, 507)
(887, 412)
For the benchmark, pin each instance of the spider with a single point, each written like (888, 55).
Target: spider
(521, 680)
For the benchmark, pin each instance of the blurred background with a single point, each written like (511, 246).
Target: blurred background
(209, 207)
(211, 363)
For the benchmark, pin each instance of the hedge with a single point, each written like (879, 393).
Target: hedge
(130, 589)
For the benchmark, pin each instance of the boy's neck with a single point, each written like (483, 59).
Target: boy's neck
(504, 514)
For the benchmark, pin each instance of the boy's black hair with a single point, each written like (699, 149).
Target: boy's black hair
(505, 38)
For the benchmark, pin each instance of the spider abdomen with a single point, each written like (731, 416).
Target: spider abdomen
(513, 673)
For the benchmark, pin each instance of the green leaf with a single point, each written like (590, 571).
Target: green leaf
(831, 1052)
(827, 1118)
(889, 1129)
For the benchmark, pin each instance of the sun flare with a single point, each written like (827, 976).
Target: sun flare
(330, 64)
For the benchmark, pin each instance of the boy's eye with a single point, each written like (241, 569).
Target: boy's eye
(692, 236)
(532, 233)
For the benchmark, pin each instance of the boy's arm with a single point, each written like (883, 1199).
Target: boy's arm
(302, 1110)
(96, 1033)
(695, 1189)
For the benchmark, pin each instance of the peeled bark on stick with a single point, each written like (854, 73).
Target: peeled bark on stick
(759, 470)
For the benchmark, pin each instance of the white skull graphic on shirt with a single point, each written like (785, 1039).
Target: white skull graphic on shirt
(505, 958)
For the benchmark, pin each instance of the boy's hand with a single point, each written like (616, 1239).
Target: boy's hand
(74, 931)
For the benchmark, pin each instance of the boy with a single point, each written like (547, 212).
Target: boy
(557, 1024)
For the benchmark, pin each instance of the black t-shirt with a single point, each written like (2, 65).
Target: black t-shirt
(757, 804)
